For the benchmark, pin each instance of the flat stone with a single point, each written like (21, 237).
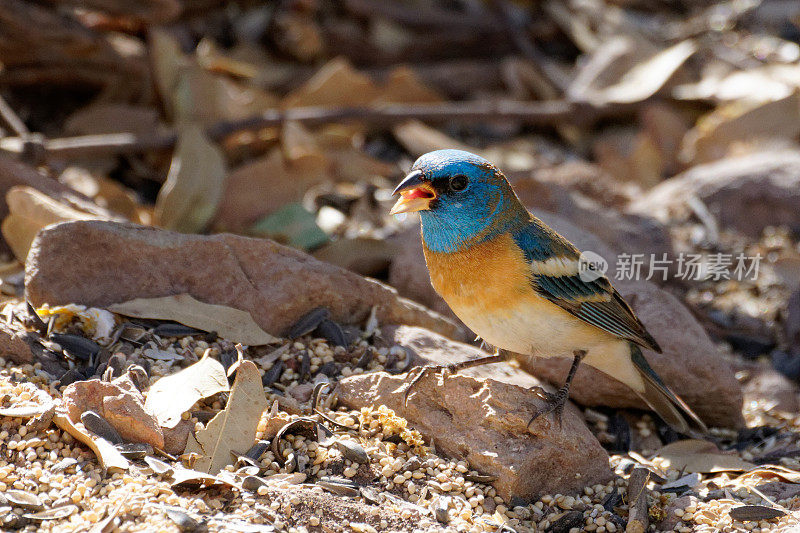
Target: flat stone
(745, 193)
(484, 422)
(274, 283)
(120, 403)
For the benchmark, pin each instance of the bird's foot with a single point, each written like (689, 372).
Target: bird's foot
(554, 403)
(423, 371)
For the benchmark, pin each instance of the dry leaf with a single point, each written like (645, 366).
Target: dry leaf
(189, 197)
(28, 410)
(234, 428)
(29, 212)
(264, 185)
(700, 456)
(767, 82)
(228, 322)
(187, 476)
(771, 471)
(648, 77)
(715, 133)
(167, 59)
(108, 456)
(173, 395)
(754, 513)
(419, 139)
(192, 93)
(404, 86)
(337, 83)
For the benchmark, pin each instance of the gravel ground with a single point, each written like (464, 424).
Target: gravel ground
(408, 485)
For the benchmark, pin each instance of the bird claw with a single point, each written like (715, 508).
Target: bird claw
(554, 403)
(422, 372)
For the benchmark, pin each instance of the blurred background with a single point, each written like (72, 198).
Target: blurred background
(667, 128)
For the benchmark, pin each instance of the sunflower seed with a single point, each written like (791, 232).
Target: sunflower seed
(23, 499)
(175, 330)
(353, 451)
(76, 346)
(134, 450)
(332, 332)
(273, 374)
(754, 513)
(56, 513)
(100, 427)
(338, 486)
(308, 323)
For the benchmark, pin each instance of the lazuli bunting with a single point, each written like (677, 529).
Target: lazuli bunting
(516, 283)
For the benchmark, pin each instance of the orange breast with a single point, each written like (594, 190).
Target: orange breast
(493, 275)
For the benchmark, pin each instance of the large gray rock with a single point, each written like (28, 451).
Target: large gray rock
(743, 193)
(691, 364)
(99, 263)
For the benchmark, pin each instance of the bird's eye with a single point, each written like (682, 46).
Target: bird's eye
(458, 182)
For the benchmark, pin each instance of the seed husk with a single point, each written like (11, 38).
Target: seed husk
(56, 513)
(339, 486)
(332, 332)
(158, 466)
(754, 513)
(353, 451)
(24, 499)
(307, 323)
(100, 427)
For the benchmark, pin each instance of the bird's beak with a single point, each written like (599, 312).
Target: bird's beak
(416, 194)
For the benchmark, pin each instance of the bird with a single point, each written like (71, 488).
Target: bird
(517, 283)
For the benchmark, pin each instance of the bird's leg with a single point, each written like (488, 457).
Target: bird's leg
(453, 368)
(556, 402)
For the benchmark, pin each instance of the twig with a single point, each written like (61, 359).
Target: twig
(424, 16)
(530, 113)
(13, 121)
(638, 520)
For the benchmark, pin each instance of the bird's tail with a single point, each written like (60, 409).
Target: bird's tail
(662, 400)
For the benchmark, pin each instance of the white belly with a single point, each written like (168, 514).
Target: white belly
(540, 328)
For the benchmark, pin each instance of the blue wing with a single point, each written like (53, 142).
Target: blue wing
(554, 276)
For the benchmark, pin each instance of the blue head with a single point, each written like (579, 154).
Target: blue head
(462, 198)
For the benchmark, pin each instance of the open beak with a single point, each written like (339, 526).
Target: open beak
(416, 194)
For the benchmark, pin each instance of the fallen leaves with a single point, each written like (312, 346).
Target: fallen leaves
(188, 199)
(228, 322)
(175, 394)
(29, 212)
(108, 456)
(699, 456)
(234, 428)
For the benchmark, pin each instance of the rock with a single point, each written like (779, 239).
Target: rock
(175, 439)
(670, 518)
(691, 364)
(548, 183)
(120, 403)
(13, 173)
(484, 421)
(771, 387)
(779, 490)
(274, 283)
(743, 193)
(16, 344)
(427, 347)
